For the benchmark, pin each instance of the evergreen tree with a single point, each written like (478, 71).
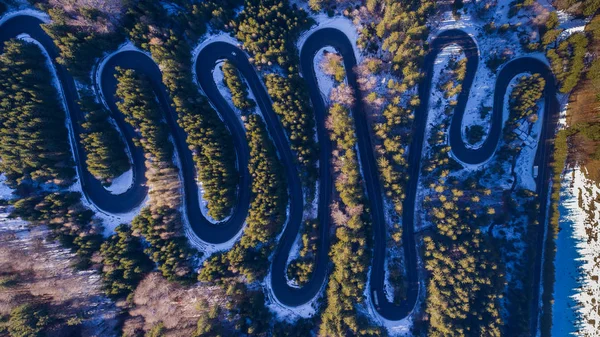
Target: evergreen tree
(105, 151)
(207, 136)
(250, 256)
(350, 253)
(33, 137)
(139, 105)
(238, 89)
(525, 96)
(567, 60)
(70, 221)
(28, 320)
(170, 251)
(124, 261)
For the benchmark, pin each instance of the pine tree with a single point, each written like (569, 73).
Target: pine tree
(124, 261)
(33, 137)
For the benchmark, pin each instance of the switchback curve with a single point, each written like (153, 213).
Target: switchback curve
(212, 233)
(92, 187)
(487, 149)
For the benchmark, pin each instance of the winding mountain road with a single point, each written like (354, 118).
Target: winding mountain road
(482, 154)
(215, 52)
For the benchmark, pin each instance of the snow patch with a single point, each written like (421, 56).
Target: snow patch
(121, 183)
(326, 82)
(570, 31)
(524, 164)
(283, 312)
(26, 12)
(6, 193)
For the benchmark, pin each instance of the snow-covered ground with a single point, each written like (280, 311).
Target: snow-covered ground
(507, 44)
(5, 191)
(121, 183)
(436, 114)
(326, 82)
(53, 278)
(530, 138)
(576, 310)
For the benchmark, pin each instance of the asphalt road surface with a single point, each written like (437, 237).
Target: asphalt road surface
(224, 231)
(488, 148)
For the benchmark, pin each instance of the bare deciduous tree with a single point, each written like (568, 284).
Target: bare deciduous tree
(331, 64)
(343, 94)
(41, 271)
(177, 307)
